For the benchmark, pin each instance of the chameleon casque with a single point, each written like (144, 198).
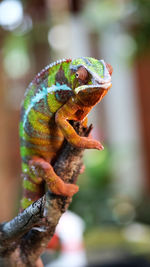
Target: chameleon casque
(65, 90)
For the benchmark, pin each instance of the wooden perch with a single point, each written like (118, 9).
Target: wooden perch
(24, 238)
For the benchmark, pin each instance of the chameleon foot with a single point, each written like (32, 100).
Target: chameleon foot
(41, 168)
(85, 142)
(64, 189)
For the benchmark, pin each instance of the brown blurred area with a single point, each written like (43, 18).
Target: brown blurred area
(143, 72)
(11, 95)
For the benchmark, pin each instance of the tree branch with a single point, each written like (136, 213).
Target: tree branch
(23, 239)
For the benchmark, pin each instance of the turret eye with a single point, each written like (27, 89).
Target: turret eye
(82, 74)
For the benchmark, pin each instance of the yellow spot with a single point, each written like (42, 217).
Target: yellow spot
(36, 118)
(26, 152)
(25, 167)
(30, 186)
(53, 103)
(25, 202)
(26, 170)
(52, 75)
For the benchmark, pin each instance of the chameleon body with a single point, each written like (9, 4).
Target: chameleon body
(63, 91)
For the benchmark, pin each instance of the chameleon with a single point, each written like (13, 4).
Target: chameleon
(64, 91)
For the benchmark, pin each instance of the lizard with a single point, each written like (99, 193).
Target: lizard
(64, 91)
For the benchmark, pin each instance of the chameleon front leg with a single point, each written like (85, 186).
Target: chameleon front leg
(66, 113)
(41, 168)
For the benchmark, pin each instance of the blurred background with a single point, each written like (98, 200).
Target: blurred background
(114, 196)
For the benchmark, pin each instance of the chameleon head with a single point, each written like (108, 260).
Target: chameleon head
(92, 79)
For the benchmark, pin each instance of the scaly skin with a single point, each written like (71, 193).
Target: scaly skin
(65, 90)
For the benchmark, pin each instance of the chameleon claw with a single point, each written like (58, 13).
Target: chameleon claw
(71, 189)
(82, 169)
(100, 147)
(94, 144)
(64, 189)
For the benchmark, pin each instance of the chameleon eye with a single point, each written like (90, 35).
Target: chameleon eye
(82, 74)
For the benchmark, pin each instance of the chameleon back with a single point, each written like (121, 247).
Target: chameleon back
(39, 134)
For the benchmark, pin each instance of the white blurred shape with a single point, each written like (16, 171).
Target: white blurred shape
(122, 114)
(137, 232)
(70, 228)
(58, 37)
(70, 231)
(16, 63)
(11, 14)
(127, 43)
(25, 26)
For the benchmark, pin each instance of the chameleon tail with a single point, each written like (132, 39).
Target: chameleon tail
(33, 189)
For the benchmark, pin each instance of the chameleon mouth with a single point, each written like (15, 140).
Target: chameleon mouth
(101, 86)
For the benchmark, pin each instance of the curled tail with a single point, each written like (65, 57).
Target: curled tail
(33, 189)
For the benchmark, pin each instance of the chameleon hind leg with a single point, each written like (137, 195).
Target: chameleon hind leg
(42, 168)
(33, 189)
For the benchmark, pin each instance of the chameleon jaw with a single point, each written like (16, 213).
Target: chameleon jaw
(90, 95)
(104, 86)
